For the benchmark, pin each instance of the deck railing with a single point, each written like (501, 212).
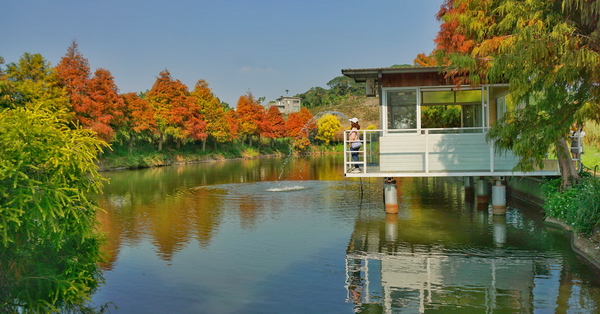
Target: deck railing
(432, 152)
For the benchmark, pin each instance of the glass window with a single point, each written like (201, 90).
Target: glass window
(438, 97)
(464, 96)
(500, 107)
(402, 109)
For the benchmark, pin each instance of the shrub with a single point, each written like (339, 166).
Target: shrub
(48, 244)
(578, 206)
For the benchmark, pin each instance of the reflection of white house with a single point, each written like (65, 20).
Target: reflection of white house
(410, 145)
(394, 276)
(287, 105)
(430, 281)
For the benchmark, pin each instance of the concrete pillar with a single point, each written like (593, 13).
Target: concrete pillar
(483, 194)
(390, 195)
(499, 198)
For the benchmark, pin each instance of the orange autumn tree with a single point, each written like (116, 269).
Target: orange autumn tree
(213, 113)
(299, 125)
(233, 124)
(250, 114)
(275, 119)
(138, 118)
(102, 109)
(96, 102)
(451, 36)
(74, 72)
(174, 111)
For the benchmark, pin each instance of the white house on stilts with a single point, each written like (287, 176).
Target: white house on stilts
(408, 145)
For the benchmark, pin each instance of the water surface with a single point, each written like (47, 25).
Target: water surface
(296, 236)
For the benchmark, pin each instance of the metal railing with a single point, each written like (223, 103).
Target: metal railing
(436, 153)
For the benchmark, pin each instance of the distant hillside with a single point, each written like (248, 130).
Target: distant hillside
(366, 109)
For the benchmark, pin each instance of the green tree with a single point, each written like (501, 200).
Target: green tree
(548, 51)
(328, 126)
(49, 245)
(32, 81)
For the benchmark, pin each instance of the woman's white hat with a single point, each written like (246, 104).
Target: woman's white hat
(355, 120)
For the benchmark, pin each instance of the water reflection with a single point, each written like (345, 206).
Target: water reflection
(441, 255)
(42, 277)
(236, 237)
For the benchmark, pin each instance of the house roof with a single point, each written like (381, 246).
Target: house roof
(361, 75)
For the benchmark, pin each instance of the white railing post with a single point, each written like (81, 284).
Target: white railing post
(492, 156)
(345, 151)
(364, 150)
(426, 151)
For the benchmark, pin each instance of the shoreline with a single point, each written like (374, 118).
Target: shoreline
(584, 245)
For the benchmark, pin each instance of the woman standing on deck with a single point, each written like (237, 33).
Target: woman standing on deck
(355, 143)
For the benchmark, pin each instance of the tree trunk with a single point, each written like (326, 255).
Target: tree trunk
(203, 144)
(130, 143)
(160, 142)
(568, 172)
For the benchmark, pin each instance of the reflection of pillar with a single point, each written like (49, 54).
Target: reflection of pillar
(483, 195)
(499, 198)
(390, 195)
(469, 192)
(499, 230)
(391, 228)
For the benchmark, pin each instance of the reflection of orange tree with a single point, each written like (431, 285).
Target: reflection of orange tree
(248, 212)
(171, 223)
(300, 170)
(112, 232)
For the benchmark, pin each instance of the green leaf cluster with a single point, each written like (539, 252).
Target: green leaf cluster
(578, 206)
(48, 242)
(340, 88)
(549, 54)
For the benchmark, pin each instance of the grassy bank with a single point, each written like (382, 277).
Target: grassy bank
(146, 156)
(578, 207)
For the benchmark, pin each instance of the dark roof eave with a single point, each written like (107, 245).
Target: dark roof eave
(361, 75)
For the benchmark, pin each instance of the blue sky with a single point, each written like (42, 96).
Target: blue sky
(262, 46)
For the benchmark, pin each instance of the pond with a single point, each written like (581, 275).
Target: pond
(294, 235)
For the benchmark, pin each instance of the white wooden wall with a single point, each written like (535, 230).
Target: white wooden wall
(440, 153)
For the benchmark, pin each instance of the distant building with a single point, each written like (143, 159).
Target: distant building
(286, 105)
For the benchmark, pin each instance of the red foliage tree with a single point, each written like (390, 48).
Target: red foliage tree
(102, 110)
(299, 125)
(138, 117)
(276, 121)
(233, 123)
(251, 116)
(74, 75)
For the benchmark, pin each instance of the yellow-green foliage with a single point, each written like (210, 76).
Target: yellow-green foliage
(328, 127)
(48, 244)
